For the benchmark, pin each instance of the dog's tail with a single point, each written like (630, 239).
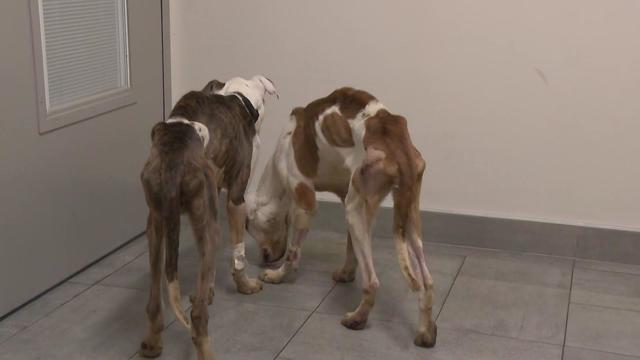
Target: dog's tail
(171, 175)
(406, 258)
(405, 218)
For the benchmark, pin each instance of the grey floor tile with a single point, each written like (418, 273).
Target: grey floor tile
(324, 251)
(136, 275)
(7, 330)
(101, 323)
(608, 266)
(303, 291)
(521, 269)
(45, 304)
(238, 332)
(395, 301)
(112, 263)
(604, 329)
(571, 353)
(604, 288)
(322, 338)
(463, 345)
(461, 250)
(522, 297)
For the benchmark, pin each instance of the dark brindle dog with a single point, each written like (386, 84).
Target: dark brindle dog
(206, 145)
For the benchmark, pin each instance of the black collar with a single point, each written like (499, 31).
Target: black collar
(249, 107)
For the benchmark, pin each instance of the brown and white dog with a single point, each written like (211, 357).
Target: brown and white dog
(207, 144)
(347, 143)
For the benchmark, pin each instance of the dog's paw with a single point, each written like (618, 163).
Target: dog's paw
(272, 276)
(427, 339)
(249, 286)
(150, 349)
(354, 321)
(343, 276)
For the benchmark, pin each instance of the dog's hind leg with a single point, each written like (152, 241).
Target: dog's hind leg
(151, 346)
(428, 330)
(408, 228)
(206, 234)
(347, 273)
(369, 185)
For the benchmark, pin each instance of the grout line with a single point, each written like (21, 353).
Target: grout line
(305, 321)
(249, 302)
(607, 307)
(631, 357)
(451, 287)
(88, 287)
(474, 331)
(566, 323)
(610, 271)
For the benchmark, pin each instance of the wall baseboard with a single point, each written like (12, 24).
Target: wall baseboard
(581, 242)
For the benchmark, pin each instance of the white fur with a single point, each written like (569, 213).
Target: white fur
(254, 89)
(200, 128)
(238, 256)
(336, 164)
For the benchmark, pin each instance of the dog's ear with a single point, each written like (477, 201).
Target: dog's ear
(268, 85)
(213, 87)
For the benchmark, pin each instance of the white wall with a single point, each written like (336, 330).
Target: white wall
(523, 109)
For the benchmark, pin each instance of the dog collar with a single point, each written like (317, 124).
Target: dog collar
(201, 129)
(248, 106)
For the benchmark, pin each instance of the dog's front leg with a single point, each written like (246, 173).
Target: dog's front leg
(237, 217)
(292, 259)
(301, 223)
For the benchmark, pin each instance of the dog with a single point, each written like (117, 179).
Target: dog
(207, 144)
(349, 144)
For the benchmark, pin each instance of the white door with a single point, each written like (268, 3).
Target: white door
(69, 189)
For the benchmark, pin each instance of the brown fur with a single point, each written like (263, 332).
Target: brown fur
(304, 143)
(178, 178)
(350, 102)
(305, 197)
(337, 131)
(392, 164)
(181, 176)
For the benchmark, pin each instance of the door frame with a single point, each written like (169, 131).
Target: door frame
(165, 14)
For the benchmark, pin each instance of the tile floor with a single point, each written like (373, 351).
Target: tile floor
(489, 305)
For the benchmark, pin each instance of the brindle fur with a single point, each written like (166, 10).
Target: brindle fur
(180, 176)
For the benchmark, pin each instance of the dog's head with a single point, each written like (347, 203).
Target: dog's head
(213, 87)
(255, 89)
(268, 224)
(267, 85)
